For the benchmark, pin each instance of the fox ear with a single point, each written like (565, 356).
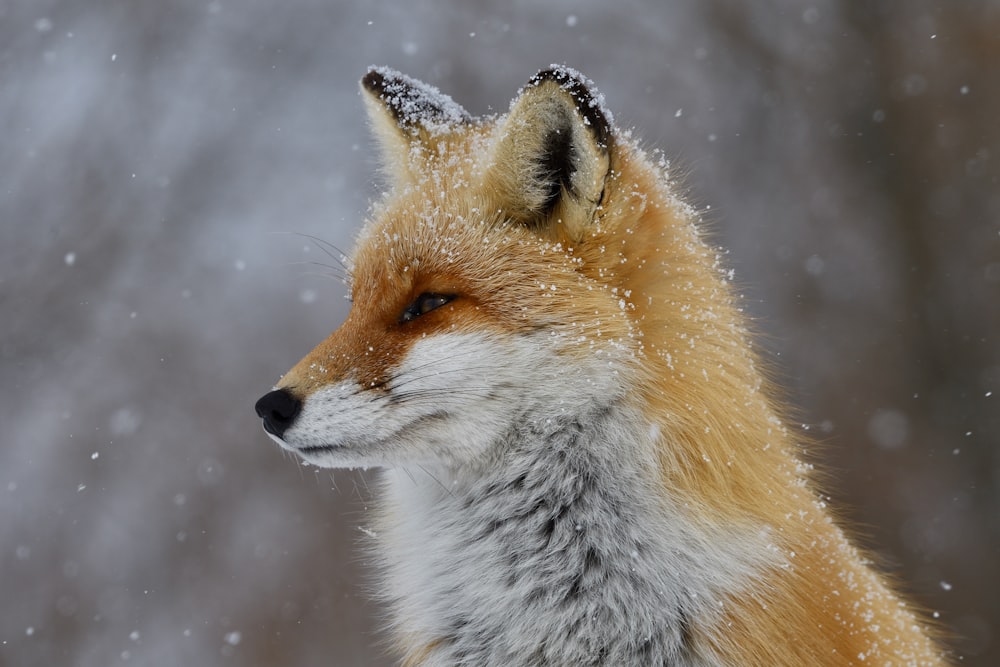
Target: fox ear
(553, 153)
(408, 117)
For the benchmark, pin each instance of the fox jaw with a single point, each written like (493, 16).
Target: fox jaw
(479, 302)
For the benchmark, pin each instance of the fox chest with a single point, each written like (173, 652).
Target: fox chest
(545, 566)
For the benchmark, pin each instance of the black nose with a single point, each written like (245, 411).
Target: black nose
(278, 409)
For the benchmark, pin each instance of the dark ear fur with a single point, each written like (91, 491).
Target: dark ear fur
(405, 114)
(589, 103)
(413, 104)
(554, 153)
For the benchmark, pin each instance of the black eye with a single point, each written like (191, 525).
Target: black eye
(424, 304)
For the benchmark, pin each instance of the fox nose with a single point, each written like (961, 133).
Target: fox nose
(278, 409)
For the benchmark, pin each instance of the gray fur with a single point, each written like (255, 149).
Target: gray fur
(555, 554)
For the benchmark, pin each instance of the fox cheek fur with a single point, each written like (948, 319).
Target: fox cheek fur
(584, 464)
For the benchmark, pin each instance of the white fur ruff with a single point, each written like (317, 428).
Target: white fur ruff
(522, 520)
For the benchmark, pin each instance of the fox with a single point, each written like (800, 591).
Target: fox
(582, 458)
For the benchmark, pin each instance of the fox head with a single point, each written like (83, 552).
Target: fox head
(488, 288)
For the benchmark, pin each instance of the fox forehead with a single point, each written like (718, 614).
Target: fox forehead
(429, 223)
(514, 277)
(422, 234)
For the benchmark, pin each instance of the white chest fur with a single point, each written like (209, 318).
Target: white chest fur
(564, 551)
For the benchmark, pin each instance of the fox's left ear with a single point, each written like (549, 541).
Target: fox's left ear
(408, 117)
(553, 154)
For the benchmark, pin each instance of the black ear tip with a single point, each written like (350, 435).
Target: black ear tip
(564, 76)
(410, 101)
(379, 78)
(589, 102)
(373, 81)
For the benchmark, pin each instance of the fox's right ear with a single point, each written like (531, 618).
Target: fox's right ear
(408, 117)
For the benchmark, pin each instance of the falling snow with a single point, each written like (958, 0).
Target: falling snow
(151, 294)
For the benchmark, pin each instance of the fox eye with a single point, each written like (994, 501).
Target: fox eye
(424, 304)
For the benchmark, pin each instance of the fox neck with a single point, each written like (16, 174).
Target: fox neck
(558, 553)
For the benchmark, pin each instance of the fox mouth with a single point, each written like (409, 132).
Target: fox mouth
(369, 446)
(318, 449)
(311, 450)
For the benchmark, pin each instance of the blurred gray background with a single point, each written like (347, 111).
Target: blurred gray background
(163, 165)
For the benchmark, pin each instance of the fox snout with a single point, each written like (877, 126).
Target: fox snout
(278, 409)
